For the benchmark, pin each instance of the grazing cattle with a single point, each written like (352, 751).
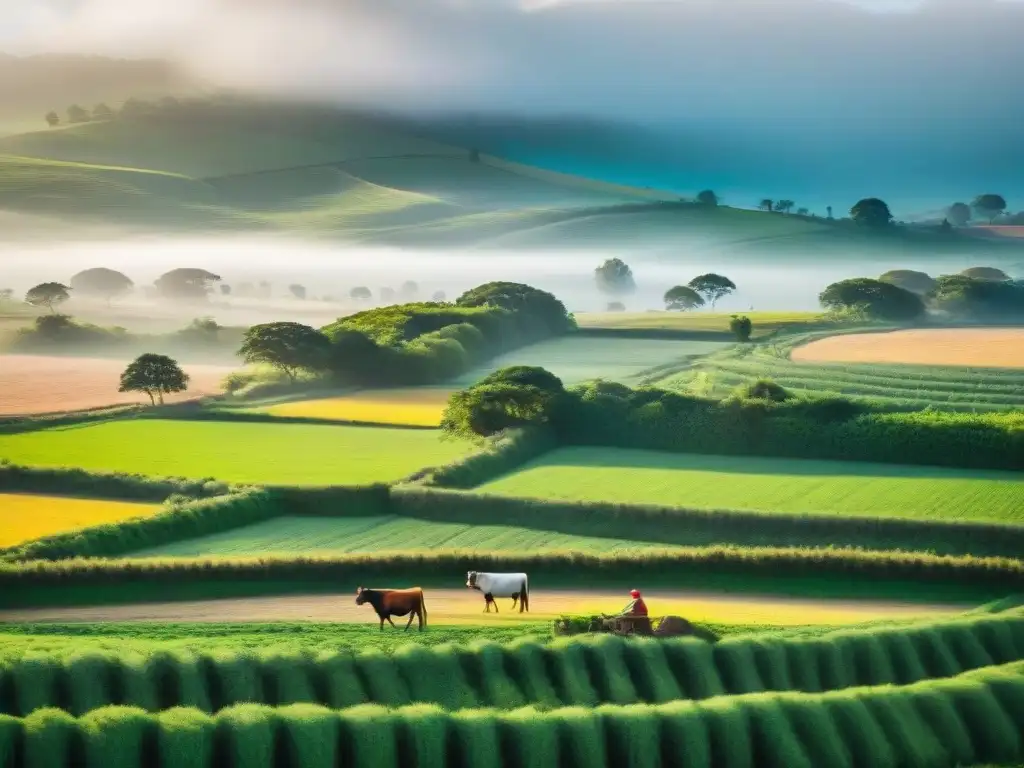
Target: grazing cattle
(395, 602)
(514, 585)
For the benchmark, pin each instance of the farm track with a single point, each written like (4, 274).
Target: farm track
(459, 606)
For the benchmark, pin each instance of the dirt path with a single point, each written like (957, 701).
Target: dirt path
(449, 606)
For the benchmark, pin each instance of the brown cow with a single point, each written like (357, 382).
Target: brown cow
(395, 602)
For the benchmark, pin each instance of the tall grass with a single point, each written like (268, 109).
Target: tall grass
(585, 671)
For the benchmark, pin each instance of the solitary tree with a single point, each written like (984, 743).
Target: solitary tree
(298, 291)
(289, 347)
(712, 287)
(409, 290)
(803, 211)
(102, 112)
(101, 283)
(47, 295)
(766, 205)
(187, 283)
(871, 212)
(784, 206)
(437, 296)
(52, 119)
(829, 211)
(741, 327)
(360, 293)
(156, 375)
(989, 206)
(681, 298)
(708, 198)
(78, 115)
(959, 214)
(615, 278)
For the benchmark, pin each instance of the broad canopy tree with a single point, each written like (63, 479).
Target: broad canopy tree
(102, 283)
(156, 375)
(877, 298)
(909, 280)
(186, 284)
(871, 212)
(518, 396)
(615, 278)
(289, 347)
(681, 298)
(540, 306)
(709, 198)
(989, 206)
(959, 214)
(712, 287)
(361, 293)
(47, 295)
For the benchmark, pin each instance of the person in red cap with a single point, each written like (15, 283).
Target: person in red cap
(637, 606)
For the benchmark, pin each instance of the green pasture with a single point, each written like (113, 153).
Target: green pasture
(261, 453)
(783, 486)
(329, 536)
(904, 386)
(579, 358)
(765, 323)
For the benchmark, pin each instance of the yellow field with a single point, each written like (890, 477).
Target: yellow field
(416, 406)
(977, 347)
(24, 517)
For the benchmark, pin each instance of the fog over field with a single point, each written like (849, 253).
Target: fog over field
(765, 281)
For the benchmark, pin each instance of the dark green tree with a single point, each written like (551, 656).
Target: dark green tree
(525, 376)
(878, 299)
(708, 198)
(186, 284)
(487, 409)
(101, 283)
(47, 295)
(156, 375)
(784, 206)
(989, 206)
(741, 327)
(959, 214)
(289, 347)
(986, 273)
(681, 298)
(615, 278)
(871, 212)
(540, 306)
(52, 119)
(712, 287)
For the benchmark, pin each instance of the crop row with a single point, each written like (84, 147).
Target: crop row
(665, 525)
(973, 719)
(583, 671)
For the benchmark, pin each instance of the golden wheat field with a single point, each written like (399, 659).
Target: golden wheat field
(414, 406)
(976, 347)
(31, 384)
(24, 517)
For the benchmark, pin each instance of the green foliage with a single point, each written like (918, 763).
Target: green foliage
(986, 273)
(186, 284)
(882, 300)
(682, 298)
(712, 287)
(989, 205)
(871, 212)
(488, 409)
(501, 453)
(763, 389)
(47, 295)
(536, 307)
(909, 280)
(741, 327)
(101, 282)
(155, 375)
(289, 347)
(978, 298)
(615, 278)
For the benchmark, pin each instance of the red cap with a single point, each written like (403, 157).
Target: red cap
(635, 593)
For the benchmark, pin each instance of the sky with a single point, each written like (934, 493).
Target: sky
(804, 87)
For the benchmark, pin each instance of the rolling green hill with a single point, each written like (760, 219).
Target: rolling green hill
(223, 165)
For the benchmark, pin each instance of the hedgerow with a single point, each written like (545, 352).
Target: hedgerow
(66, 481)
(965, 721)
(586, 671)
(501, 454)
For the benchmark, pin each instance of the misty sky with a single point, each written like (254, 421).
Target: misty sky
(790, 92)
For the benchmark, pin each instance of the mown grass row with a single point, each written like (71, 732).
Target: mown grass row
(845, 572)
(973, 719)
(584, 671)
(186, 520)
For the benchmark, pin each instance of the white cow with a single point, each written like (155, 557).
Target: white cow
(514, 585)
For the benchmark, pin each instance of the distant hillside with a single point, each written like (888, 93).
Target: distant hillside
(202, 166)
(32, 86)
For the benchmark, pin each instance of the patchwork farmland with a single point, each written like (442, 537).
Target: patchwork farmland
(973, 347)
(24, 517)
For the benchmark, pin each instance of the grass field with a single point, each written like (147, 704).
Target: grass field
(764, 322)
(576, 359)
(901, 385)
(40, 384)
(322, 536)
(976, 347)
(784, 486)
(417, 406)
(282, 454)
(25, 517)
